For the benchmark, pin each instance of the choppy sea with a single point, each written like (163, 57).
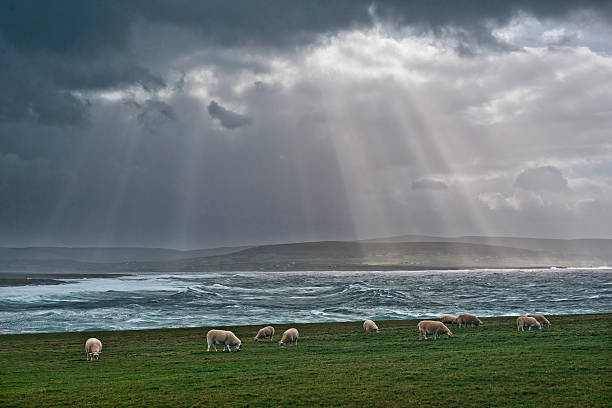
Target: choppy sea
(222, 299)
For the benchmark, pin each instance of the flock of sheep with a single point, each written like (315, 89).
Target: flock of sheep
(464, 320)
(214, 338)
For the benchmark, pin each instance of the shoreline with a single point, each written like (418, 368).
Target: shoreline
(18, 279)
(242, 327)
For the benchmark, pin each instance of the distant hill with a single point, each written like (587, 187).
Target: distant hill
(338, 255)
(59, 259)
(589, 247)
(108, 254)
(380, 254)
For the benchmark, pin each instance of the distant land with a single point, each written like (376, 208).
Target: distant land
(108, 254)
(596, 248)
(408, 252)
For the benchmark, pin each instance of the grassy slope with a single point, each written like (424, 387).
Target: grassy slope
(334, 364)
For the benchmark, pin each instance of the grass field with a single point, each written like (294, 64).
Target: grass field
(335, 364)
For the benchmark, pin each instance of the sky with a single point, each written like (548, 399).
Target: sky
(191, 124)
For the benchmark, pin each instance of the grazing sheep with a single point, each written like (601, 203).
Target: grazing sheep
(449, 319)
(289, 336)
(464, 319)
(433, 327)
(541, 319)
(93, 348)
(264, 332)
(530, 322)
(225, 337)
(369, 326)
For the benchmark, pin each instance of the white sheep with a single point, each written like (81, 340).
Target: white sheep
(369, 326)
(433, 327)
(289, 336)
(527, 321)
(541, 319)
(93, 348)
(225, 337)
(264, 332)
(464, 319)
(449, 319)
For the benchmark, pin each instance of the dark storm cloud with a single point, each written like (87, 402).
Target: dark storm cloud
(92, 28)
(152, 113)
(227, 118)
(281, 23)
(538, 179)
(28, 94)
(106, 140)
(49, 49)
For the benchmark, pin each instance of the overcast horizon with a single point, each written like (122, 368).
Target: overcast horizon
(205, 124)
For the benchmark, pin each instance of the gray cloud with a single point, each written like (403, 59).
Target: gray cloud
(545, 178)
(73, 45)
(427, 184)
(153, 114)
(26, 95)
(227, 118)
(109, 135)
(78, 29)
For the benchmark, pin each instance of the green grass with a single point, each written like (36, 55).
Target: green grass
(335, 364)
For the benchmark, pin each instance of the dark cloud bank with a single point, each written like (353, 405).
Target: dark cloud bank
(227, 118)
(131, 124)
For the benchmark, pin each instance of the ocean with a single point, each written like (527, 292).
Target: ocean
(146, 301)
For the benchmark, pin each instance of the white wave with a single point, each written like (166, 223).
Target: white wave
(146, 301)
